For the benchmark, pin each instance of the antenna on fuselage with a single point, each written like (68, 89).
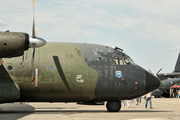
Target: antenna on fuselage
(117, 48)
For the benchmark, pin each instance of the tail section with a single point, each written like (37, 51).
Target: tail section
(174, 74)
(177, 67)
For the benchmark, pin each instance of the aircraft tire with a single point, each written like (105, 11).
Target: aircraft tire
(113, 106)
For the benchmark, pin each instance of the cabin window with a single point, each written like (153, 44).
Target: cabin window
(100, 58)
(51, 68)
(9, 67)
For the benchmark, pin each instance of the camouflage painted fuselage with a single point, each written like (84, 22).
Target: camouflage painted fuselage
(70, 72)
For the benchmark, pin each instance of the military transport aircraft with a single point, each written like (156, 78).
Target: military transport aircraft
(165, 84)
(68, 72)
(170, 80)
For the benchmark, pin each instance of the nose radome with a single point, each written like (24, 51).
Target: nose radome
(152, 82)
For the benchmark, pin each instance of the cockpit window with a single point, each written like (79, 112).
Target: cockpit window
(128, 61)
(118, 61)
(131, 61)
(123, 61)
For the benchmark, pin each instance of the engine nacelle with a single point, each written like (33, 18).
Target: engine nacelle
(13, 44)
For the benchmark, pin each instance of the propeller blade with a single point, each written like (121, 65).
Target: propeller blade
(32, 45)
(32, 63)
(33, 29)
(36, 32)
(33, 2)
(34, 42)
(37, 41)
(158, 71)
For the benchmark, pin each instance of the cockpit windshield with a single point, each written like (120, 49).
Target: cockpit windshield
(131, 61)
(123, 60)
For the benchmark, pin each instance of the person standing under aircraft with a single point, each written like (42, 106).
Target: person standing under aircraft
(174, 91)
(171, 93)
(148, 98)
(128, 103)
(137, 100)
(177, 92)
(140, 99)
(123, 102)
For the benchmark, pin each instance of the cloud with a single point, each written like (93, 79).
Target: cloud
(147, 19)
(158, 30)
(140, 27)
(163, 7)
(175, 48)
(2, 23)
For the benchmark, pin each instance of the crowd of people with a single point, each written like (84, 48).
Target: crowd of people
(174, 92)
(148, 97)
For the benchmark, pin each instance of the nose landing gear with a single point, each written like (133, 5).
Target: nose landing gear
(113, 106)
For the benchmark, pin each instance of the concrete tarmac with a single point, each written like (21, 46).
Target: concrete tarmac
(163, 109)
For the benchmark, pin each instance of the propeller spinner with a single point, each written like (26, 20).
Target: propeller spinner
(34, 43)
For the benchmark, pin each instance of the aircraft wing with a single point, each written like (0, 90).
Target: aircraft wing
(169, 75)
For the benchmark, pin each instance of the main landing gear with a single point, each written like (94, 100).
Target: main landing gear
(113, 106)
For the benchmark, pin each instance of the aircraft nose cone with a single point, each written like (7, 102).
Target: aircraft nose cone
(152, 82)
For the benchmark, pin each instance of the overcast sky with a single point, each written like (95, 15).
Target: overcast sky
(147, 30)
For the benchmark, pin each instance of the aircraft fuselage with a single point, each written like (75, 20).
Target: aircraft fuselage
(72, 72)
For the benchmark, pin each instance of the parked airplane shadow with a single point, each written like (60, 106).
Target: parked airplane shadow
(144, 111)
(19, 111)
(77, 111)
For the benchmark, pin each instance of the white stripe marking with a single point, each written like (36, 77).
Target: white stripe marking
(36, 82)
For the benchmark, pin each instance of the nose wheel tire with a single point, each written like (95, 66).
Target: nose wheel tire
(113, 106)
